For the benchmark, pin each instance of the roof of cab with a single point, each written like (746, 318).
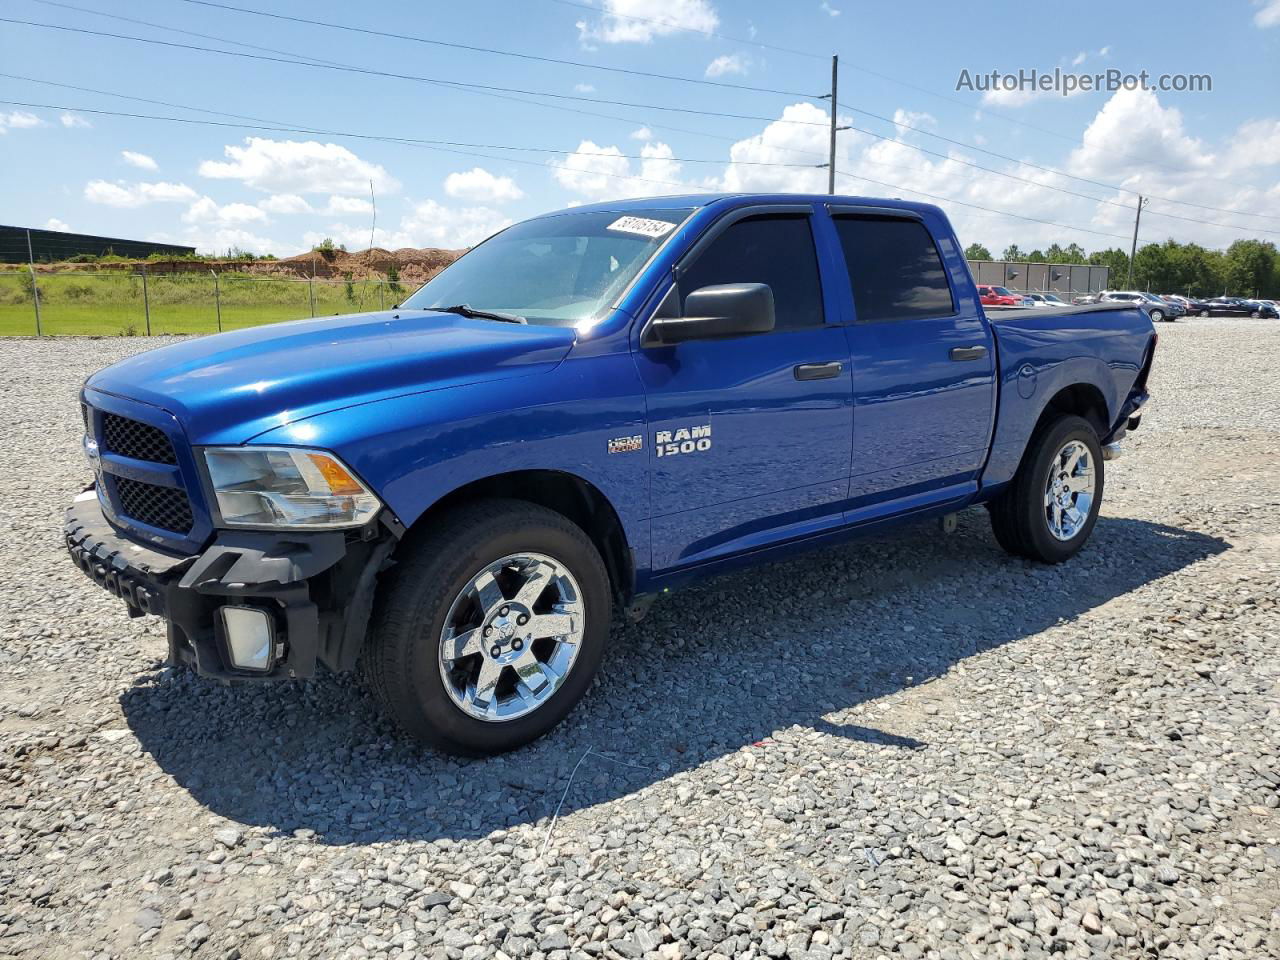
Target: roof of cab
(729, 200)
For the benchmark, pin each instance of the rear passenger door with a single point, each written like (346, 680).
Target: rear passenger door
(923, 365)
(749, 437)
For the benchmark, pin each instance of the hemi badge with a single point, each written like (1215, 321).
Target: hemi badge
(626, 444)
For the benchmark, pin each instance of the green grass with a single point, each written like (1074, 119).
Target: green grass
(73, 304)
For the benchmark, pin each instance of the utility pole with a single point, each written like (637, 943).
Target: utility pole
(35, 289)
(1133, 249)
(831, 160)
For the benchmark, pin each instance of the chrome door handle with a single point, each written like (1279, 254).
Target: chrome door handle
(818, 371)
(968, 353)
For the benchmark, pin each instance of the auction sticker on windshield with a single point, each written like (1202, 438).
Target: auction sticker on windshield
(642, 226)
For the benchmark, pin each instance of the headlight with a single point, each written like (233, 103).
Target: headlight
(287, 487)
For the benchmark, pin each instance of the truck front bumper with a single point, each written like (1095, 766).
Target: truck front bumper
(315, 589)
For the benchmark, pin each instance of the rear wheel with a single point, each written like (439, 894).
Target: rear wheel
(1204, 313)
(490, 629)
(1050, 508)
(1157, 316)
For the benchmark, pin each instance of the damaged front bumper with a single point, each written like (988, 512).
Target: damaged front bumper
(315, 588)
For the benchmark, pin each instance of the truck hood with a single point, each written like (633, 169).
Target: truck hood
(231, 387)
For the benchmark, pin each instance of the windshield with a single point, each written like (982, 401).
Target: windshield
(1052, 299)
(1002, 291)
(560, 270)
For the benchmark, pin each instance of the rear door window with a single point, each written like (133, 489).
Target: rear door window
(894, 268)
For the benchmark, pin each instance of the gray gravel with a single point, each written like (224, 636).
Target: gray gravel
(911, 746)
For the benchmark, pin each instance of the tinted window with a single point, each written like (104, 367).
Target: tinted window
(894, 268)
(777, 250)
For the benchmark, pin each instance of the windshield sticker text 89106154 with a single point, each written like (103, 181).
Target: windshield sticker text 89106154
(642, 226)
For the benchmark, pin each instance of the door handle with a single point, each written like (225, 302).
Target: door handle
(968, 353)
(818, 371)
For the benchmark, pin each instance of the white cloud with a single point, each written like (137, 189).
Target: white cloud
(285, 203)
(18, 120)
(1079, 58)
(639, 21)
(828, 9)
(583, 88)
(121, 194)
(726, 64)
(603, 173)
(434, 224)
(218, 239)
(293, 166)
(643, 133)
(139, 160)
(74, 120)
(1104, 52)
(1131, 128)
(479, 185)
(342, 206)
(53, 223)
(1268, 14)
(428, 224)
(206, 210)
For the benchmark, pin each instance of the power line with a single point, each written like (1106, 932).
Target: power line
(975, 206)
(470, 48)
(494, 90)
(502, 53)
(277, 127)
(260, 123)
(369, 71)
(448, 147)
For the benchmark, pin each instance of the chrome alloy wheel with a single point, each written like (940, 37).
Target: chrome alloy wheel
(511, 637)
(1068, 491)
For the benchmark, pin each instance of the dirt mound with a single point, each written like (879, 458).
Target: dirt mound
(412, 263)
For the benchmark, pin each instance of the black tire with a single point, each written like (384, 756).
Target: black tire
(401, 655)
(1018, 514)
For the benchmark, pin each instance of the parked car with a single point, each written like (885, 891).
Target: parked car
(1084, 299)
(1156, 309)
(1239, 307)
(1193, 305)
(992, 296)
(590, 407)
(1046, 300)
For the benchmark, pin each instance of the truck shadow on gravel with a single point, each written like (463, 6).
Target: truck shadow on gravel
(712, 669)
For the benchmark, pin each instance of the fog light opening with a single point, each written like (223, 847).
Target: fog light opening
(250, 637)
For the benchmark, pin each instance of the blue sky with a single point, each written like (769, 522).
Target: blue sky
(1074, 161)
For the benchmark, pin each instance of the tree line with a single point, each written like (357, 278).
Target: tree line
(1247, 268)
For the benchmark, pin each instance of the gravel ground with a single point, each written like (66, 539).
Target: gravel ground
(913, 746)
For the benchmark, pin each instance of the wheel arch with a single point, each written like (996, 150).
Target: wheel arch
(578, 500)
(1081, 399)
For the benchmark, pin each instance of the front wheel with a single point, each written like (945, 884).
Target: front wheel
(1256, 314)
(490, 629)
(1204, 313)
(1157, 316)
(1050, 508)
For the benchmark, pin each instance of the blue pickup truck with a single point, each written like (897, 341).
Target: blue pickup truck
(585, 410)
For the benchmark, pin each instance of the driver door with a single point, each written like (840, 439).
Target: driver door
(750, 437)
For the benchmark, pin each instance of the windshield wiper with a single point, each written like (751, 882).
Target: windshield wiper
(466, 310)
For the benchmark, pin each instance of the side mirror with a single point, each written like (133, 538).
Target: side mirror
(718, 311)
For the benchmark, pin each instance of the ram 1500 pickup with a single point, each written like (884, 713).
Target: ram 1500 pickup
(584, 410)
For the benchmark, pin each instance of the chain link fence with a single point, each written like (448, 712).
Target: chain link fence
(120, 303)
